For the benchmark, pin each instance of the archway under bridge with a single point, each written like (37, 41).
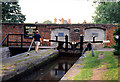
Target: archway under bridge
(98, 32)
(60, 32)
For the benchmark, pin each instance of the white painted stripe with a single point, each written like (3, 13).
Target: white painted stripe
(46, 40)
(106, 41)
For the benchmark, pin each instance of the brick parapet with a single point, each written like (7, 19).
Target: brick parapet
(45, 30)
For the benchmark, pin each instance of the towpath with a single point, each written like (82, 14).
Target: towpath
(76, 68)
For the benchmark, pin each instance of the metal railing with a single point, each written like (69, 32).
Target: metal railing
(7, 36)
(84, 49)
(21, 42)
(4, 39)
(29, 48)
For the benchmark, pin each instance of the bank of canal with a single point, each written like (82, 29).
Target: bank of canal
(17, 65)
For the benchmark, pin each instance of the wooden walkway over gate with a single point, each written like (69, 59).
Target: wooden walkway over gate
(73, 47)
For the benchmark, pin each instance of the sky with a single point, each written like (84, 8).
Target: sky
(41, 10)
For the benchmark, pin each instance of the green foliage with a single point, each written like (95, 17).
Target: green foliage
(107, 12)
(117, 41)
(11, 13)
(47, 22)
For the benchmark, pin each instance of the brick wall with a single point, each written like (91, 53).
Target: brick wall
(45, 31)
(75, 37)
(109, 35)
(12, 29)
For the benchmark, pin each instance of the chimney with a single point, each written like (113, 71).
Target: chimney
(55, 20)
(62, 20)
(84, 22)
(69, 21)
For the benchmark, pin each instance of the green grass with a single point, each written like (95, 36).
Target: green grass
(111, 74)
(84, 74)
(90, 63)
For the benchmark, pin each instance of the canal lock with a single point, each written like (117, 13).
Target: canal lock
(51, 70)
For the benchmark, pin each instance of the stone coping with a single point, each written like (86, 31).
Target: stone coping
(15, 65)
(74, 70)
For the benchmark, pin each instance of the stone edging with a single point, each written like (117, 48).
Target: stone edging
(27, 66)
(73, 70)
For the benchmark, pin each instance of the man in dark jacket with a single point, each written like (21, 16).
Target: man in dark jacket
(37, 40)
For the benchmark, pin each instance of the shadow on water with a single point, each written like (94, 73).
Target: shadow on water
(53, 71)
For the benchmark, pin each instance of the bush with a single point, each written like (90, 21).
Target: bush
(117, 41)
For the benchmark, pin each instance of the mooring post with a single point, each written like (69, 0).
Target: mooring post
(81, 42)
(66, 42)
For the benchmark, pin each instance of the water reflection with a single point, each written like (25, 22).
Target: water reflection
(60, 70)
(53, 71)
(62, 65)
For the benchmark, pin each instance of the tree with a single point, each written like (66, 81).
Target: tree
(11, 13)
(47, 22)
(117, 40)
(107, 12)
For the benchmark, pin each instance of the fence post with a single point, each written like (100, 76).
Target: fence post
(21, 40)
(81, 42)
(66, 42)
(8, 40)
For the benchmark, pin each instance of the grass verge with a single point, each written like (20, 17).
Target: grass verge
(109, 61)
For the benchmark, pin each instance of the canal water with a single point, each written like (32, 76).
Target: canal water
(53, 71)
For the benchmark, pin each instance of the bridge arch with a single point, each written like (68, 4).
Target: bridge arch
(99, 32)
(60, 32)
